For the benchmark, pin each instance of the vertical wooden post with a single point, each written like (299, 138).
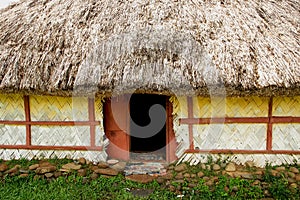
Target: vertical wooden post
(91, 108)
(27, 119)
(190, 116)
(171, 143)
(270, 125)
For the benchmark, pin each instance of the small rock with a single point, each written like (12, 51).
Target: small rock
(181, 167)
(119, 166)
(294, 185)
(205, 178)
(45, 164)
(172, 188)
(280, 169)
(33, 167)
(13, 170)
(208, 167)
(235, 188)
(256, 182)
(216, 167)
(192, 185)
(44, 170)
(140, 178)
(49, 175)
(200, 174)
(297, 177)
(249, 164)
(85, 180)
(179, 176)
(36, 177)
(291, 174)
(94, 176)
(57, 174)
(103, 165)
(187, 175)
(108, 171)
(230, 167)
(203, 166)
(82, 161)
(82, 172)
(160, 180)
(23, 175)
(274, 172)
(291, 180)
(71, 166)
(209, 183)
(168, 176)
(23, 171)
(267, 193)
(294, 170)
(193, 175)
(112, 162)
(3, 167)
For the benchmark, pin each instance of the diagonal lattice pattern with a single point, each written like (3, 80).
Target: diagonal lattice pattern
(61, 135)
(205, 107)
(58, 108)
(286, 106)
(12, 135)
(286, 137)
(12, 107)
(230, 136)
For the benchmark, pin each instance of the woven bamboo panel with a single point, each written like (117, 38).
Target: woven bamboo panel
(286, 136)
(180, 107)
(10, 154)
(53, 108)
(12, 135)
(12, 107)
(286, 106)
(61, 135)
(260, 160)
(230, 136)
(230, 107)
(99, 140)
(99, 108)
(205, 107)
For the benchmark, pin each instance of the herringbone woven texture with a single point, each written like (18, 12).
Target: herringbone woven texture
(9, 154)
(52, 108)
(12, 107)
(230, 107)
(286, 137)
(230, 136)
(286, 106)
(61, 135)
(260, 160)
(12, 135)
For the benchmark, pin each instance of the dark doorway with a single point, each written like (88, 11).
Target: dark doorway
(145, 138)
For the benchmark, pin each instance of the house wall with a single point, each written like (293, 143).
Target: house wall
(261, 129)
(50, 126)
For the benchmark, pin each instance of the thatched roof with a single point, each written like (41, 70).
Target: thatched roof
(167, 46)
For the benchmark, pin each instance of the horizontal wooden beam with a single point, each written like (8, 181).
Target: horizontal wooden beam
(239, 120)
(51, 123)
(41, 147)
(240, 151)
(226, 120)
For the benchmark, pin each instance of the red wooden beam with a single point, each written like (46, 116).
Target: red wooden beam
(41, 147)
(51, 123)
(270, 126)
(27, 119)
(190, 115)
(225, 120)
(91, 105)
(241, 151)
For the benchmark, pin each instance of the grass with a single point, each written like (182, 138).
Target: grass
(76, 187)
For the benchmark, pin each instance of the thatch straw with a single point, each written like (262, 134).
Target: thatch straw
(58, 46)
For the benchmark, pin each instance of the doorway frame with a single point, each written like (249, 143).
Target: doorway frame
(113, 150)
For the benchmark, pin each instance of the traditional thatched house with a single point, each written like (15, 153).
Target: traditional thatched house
(226, 71)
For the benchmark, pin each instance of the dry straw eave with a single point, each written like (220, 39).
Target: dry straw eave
(60, 47)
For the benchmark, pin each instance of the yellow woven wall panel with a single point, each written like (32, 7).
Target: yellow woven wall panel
(61, 135)
(98, 109)
(12, 135)
(180, 106)
(52, 108)
(205, 107)
(12, 107)
(286, 137)
(286, 106)
(230, 136)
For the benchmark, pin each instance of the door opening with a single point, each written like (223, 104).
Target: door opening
(148, 141)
